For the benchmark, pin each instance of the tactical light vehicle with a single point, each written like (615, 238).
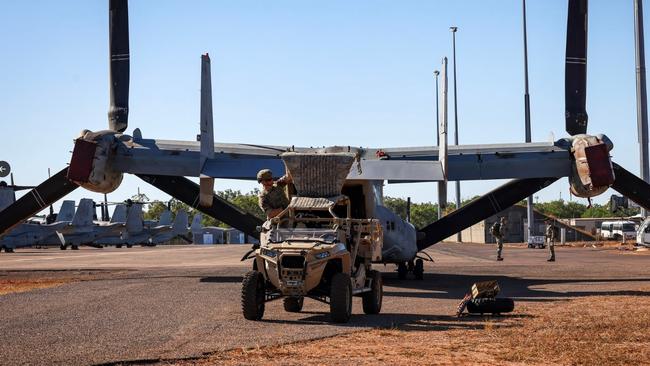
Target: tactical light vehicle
(314, 248)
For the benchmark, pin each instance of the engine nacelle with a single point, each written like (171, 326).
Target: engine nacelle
(91, 164)
(592, 172)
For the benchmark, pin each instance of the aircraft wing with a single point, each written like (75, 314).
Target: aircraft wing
(397, 165)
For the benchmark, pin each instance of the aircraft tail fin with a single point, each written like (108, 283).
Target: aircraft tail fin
(119, 214)
(196, 223)
(66, 213)
(165, 218)
(84, 214)
(180, 223)
(134, 219)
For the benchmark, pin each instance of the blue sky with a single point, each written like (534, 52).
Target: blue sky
(307, 74)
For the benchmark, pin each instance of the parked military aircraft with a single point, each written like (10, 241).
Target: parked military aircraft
(32, 234)
(100, 159)
(82, 230)
(164, 231)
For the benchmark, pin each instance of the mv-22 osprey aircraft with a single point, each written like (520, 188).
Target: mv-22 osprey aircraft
(100, 159)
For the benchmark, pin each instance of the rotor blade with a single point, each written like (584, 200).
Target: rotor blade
(631, 186)
(575, 74)
(118, 113)
(481, 208)
(188, 192)
(43, 195)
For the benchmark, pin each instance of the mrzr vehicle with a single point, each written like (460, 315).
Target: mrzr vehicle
(314, 248)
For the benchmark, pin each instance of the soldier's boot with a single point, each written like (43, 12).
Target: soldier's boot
(552, 257)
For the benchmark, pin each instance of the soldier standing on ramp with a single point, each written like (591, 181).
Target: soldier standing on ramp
(551, 237)
(498, 230)
(272, 198)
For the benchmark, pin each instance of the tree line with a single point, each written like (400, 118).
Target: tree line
(422, 214)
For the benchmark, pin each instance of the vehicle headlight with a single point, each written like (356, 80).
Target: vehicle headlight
(322, 255)
(269, 253)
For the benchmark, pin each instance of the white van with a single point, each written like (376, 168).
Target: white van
(643, 234)
(618, 230)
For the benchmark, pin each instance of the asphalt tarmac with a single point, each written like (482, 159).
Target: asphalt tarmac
(144, 305)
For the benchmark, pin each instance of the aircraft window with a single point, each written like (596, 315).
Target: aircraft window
(392, 225)
(387, 225)
(379, 194)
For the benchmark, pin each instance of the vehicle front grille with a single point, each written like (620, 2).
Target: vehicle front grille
(293, 261)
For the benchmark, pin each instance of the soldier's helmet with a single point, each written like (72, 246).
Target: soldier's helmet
(264, 174)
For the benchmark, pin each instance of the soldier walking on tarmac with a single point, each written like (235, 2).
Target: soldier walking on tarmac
(498, 230)
(551, 237)
(272, 199)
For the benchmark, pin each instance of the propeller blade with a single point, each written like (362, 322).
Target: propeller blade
(188, 192)
(631, 186)
(575, 75)
(481, 208)
(118, 113)
(46, 193)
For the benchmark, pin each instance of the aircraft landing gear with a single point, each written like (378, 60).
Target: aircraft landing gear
(63, 247)
(7, 250)
(75, 247)
(402, 271)
(415, 266)
(418, 270)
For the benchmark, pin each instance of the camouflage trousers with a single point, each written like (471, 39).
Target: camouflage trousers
(499, 247)
(551, 248)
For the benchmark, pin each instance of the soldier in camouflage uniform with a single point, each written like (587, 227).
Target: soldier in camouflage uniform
(551, 237)
(499, 232)
(272, 198)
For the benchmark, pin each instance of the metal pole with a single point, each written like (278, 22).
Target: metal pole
(436, 73)
(529, 202)
(453, 30)
(408, 209)
(442, 147)
(641, 96)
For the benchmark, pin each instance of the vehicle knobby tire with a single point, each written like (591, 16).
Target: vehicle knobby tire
(293, 304)
(252, 295)
(372, 300)
(340, 298)
(496, 305)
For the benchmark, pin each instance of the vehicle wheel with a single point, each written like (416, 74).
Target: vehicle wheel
(402, 271)
(75, 247)
(491, 305)
(252, 295)
(63, 247)
(340, 298)
(372, 300)
(293, 304)
(418, 271)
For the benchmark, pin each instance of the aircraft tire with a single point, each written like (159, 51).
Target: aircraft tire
(293, 304)
(75, 247)
(418, 270)
(340, 298)
(129, 246)
(63, 247)
(252, 295)
(491, 305)
(402, 271)
(372, 300)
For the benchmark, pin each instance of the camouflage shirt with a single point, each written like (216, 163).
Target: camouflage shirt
(274, 198)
